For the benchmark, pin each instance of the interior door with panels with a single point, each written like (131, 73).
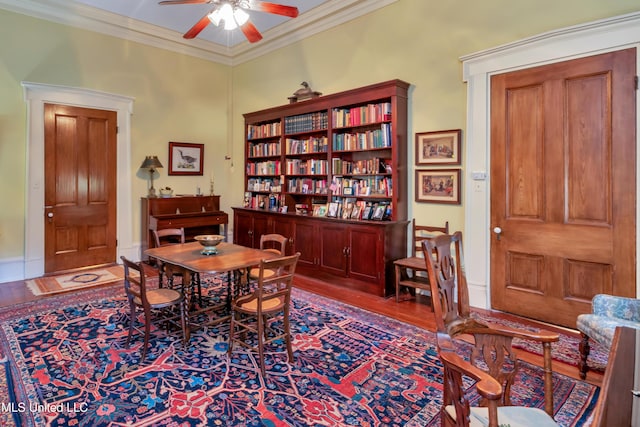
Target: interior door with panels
(80, 187)
(563, 186)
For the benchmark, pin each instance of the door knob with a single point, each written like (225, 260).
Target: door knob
(498, 232)
(50, 215)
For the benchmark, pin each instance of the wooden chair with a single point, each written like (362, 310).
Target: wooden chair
(456, 410)
(157, 304)
(173, 236)
(256, 312)
(491, 342)
(275, 243)
(411, 271)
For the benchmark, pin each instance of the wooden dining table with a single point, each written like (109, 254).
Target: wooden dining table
(230, 258)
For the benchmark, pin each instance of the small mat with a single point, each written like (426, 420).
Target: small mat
(73, 281)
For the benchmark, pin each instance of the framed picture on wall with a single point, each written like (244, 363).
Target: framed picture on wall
(185, 158)
(438, 186)
(438, 148)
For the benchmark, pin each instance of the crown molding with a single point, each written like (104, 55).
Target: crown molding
(326, 16)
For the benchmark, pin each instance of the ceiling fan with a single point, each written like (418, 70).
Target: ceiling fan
(233, 14)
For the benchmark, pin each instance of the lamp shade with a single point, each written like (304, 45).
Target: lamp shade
(151, 162)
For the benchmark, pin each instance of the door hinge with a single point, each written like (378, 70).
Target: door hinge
(117, 129)
(636, 81)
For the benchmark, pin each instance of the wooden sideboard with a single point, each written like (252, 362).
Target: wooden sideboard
(196, 214)
(352, 253)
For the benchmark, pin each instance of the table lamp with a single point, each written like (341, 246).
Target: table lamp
(152, 163)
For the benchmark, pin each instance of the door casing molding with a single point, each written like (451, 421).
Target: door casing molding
(588, 39)
(36, 95)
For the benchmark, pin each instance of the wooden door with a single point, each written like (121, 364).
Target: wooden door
(563, 186)
(243, 228)
(80, 187)
(365, 253)
(334, 242)
(284, 227)
(305, 241)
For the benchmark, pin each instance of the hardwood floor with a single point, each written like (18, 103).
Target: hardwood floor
(415, 311)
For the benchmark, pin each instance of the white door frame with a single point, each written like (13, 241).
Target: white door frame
(36, 95)
(589, 39)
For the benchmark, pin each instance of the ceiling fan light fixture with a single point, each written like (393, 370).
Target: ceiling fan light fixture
(240, 16)
(228, 15)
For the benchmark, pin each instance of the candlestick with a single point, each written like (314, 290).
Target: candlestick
(211, 186)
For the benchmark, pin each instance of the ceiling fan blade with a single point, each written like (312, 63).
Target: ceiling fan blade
(251, 32)
(169, 2)
(278, 9)
(200, 25)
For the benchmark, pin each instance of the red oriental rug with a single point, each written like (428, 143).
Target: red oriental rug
(352, 367)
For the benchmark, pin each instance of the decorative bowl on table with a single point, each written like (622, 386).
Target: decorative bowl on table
(209, 241)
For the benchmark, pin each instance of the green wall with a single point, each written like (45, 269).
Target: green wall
(177, 98)
(419, 41)
(181, 98)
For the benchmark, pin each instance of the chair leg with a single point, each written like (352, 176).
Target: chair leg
(585, 349)
(132, 318)
(232, 333)
(147, 333)
(287, 336)
(184, 322)
(261, 333)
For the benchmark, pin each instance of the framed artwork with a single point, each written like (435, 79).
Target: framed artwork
(438, 186)
(438, 148)
(185, 158)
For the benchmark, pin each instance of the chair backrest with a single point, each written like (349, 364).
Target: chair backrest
(168, 236)
(454, 388)
(275, 243)
(135, 285)
(277, 285)
(423, 232)
(445, 267)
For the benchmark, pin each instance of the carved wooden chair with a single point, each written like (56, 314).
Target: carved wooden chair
(411, 271)
(456, 410)
(162, 304)
(257, 312)
(173, 236)
(492, 343)
(275, 243)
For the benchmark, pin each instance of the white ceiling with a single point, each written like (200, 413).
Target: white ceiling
(146, 21)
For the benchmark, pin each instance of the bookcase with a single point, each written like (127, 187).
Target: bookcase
(334, 169)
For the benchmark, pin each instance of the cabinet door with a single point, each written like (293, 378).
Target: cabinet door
(305, 241)
(366, 253)
(333, 246)
(261, 225)
(243, 228)
(284, 226)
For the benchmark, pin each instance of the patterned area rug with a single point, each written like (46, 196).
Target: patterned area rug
(566, 350)
(73, 281)
(352, 368)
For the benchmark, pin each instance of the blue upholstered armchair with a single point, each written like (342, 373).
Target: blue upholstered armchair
(607, 312)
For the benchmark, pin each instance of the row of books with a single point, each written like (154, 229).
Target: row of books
(369, 166)
(378, 138)
(264, 130)
(264, 149)
(370, 113)
(351, 209)
(271, 167)
(271, 202)
(262, 184)
(307, 167)
(309, 145)
(365, 186)
(306, 122)
(307, 186)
